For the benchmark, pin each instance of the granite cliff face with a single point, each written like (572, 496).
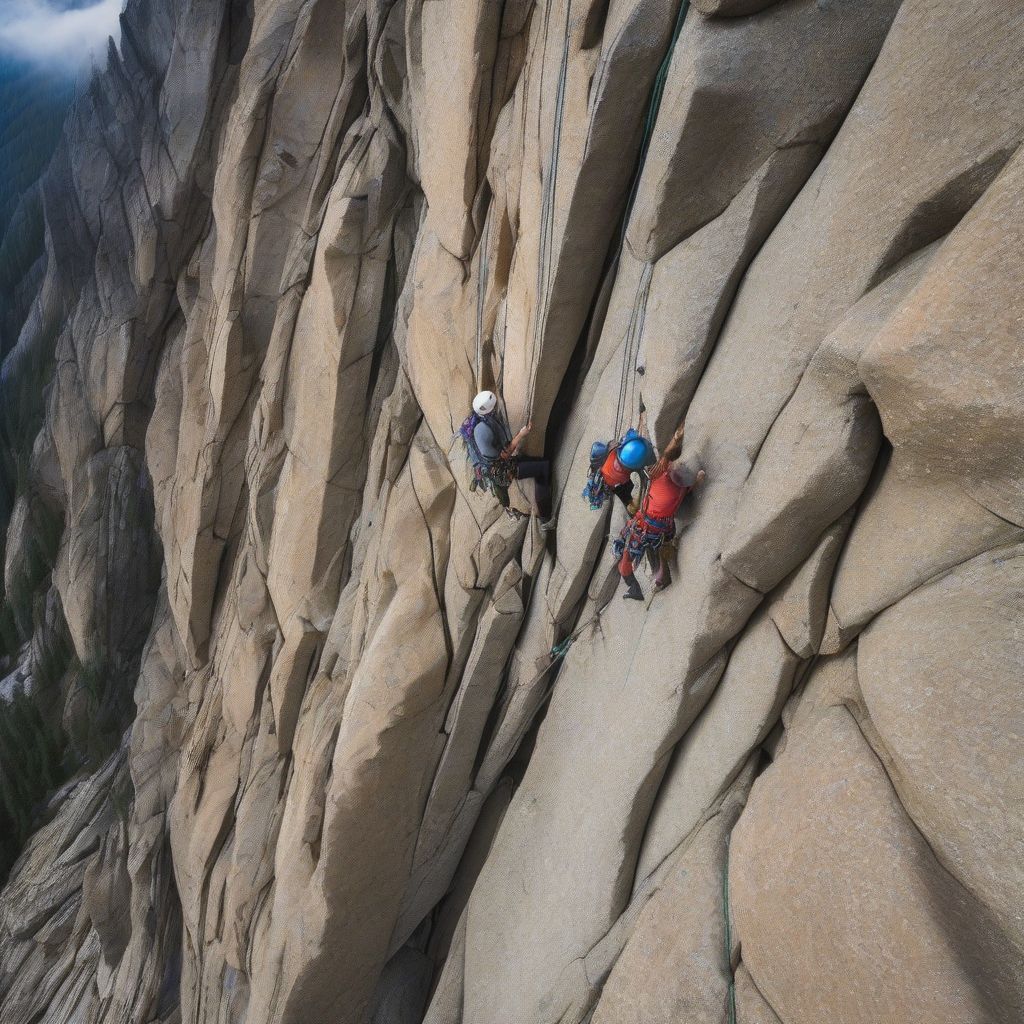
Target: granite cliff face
(286, 245)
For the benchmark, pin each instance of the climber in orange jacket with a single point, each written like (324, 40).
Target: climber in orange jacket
(612, 467)
(651, 530)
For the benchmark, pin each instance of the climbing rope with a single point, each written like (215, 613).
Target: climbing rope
(501, 365)
(547, 210)
(561, 649)
(627, 384)
(638, 369)
(481, 296)
(652, 113)
(627, 401)
(728, 937)
(634, 330)
(620, 405)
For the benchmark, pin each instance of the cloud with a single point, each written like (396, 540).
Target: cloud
(38, 31)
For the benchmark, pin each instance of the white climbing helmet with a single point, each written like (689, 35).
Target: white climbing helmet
(484, 403)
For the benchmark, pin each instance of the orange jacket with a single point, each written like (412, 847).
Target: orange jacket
(614, 472)
(664, 497)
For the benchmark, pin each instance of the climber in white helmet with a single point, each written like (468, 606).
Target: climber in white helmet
(494, 456)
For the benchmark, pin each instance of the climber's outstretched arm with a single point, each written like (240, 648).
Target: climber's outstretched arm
(513, 446)
(672, 452)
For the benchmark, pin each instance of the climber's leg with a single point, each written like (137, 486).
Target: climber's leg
(539, 471)
(633, 591)
(663, 574)
(653, 559)
(624, 492)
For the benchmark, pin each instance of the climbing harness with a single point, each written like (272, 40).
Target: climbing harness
(487, 473)
(499, 473)
(641, 535)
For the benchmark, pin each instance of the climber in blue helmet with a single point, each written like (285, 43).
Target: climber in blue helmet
(612, 467)
(651, 529)
(494, 456)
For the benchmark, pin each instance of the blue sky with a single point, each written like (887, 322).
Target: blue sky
(57, 34)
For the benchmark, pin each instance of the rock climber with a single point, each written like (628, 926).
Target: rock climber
(651, 529)
(495, 457)
(612, 467)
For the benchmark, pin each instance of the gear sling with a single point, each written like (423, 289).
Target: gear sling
(496, 473)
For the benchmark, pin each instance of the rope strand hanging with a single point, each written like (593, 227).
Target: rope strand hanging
(634, 330)
(558, 652)
(547, 210)
(627, 400)
(548, 207)
(481, 296)
(731, 994)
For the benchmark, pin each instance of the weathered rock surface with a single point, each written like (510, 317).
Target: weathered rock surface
(286, 244)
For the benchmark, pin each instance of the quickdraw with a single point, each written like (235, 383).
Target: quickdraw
(597, 491)
(495, 474)
(487, 473)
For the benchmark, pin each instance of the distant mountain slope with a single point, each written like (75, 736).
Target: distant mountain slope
(33, 102)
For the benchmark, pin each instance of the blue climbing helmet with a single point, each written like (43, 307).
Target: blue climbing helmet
(636, 453)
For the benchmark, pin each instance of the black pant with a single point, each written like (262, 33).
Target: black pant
(624, 492)
(539, 471)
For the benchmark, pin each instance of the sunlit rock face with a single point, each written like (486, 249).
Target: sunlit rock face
(286, 245)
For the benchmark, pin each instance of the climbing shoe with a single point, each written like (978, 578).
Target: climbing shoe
(633, 591)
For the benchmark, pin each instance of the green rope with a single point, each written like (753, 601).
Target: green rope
(560, 650)
(481, 296)
(653, 108)
(547, 209)
(652, 112)
(634, 332)
(728, 937)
